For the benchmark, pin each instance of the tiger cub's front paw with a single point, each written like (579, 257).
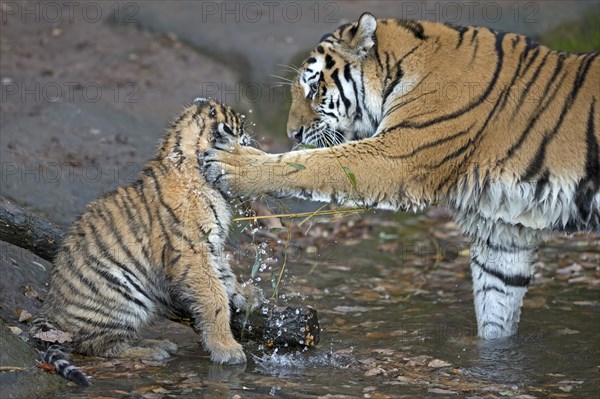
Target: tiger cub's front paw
(227, 353)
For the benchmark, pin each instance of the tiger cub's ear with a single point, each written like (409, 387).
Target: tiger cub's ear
(364, 38)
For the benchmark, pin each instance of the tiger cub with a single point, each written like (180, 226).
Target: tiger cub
(154, 247)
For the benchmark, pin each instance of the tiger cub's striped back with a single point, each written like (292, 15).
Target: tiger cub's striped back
(154, 247)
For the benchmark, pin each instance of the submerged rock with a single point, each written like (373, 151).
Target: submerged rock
(24, 379)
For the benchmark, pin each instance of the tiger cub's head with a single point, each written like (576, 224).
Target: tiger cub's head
(204, 124)
(223, 126)
(336, 95)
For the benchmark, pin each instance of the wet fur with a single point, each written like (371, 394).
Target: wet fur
(153, 248)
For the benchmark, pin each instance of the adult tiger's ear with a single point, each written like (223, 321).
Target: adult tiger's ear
(364, 37)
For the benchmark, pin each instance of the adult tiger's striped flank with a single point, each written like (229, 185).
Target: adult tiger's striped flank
(501, 129)
(152, 248)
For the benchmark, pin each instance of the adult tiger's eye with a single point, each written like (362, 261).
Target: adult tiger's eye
(313, 89)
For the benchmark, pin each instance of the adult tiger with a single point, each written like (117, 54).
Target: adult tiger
(516, 155)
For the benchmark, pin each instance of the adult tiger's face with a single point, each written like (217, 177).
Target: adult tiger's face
(334, 95)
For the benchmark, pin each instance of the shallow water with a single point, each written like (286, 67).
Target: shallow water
(390, 318)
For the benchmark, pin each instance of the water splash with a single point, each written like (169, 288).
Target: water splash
(289, 363)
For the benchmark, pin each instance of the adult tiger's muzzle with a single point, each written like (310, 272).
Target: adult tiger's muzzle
(296, 135)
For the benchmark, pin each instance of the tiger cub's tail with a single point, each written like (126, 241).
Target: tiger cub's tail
(57, 354)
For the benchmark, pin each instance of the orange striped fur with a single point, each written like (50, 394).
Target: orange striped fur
(497, 127)
(154, 248)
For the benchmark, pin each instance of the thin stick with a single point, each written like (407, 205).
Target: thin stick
(11, 368)
(287, 243)
(312, 215)
(301, 214)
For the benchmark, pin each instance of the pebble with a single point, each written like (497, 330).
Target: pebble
(575, 268)
(375, 371)
(15, 330)
(437, 363)
(25, 316)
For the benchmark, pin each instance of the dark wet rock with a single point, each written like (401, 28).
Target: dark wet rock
(279, 327)
(28, 381)
(22, 273)
(22, 287)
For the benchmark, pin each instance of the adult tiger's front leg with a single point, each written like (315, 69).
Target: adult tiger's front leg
(345, 175)
(500, 279)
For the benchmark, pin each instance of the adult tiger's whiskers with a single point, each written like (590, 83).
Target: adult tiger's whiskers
(290, 67)
(283, 79)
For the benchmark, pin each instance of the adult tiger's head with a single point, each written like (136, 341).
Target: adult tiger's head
(336, 97)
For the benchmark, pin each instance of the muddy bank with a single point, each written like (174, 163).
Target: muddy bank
(84, 105)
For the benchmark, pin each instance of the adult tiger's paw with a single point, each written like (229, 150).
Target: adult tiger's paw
(217, 171)
(237, 172)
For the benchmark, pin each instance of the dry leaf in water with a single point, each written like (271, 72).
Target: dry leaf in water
(389, 247)
(54, 336)
(31, 293)
(47, 367)
(417, 360)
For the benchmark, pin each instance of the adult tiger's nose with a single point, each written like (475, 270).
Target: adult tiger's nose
(296, 135)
